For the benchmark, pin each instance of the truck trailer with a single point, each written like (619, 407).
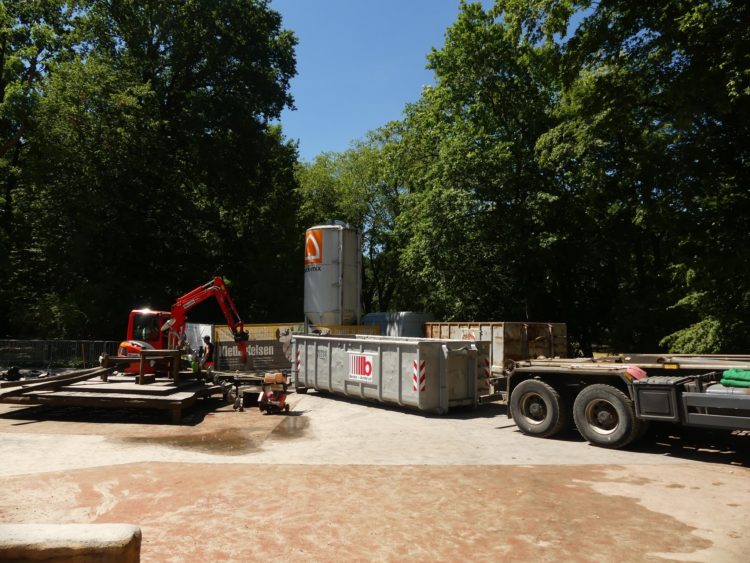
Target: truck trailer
(611, 400)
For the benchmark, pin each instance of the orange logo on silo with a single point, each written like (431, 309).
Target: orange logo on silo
(313, 247)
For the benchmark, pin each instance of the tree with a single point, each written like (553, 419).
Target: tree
(576, 161)
(477, 206)
(34, 37)
(155, 164)
(653, 132)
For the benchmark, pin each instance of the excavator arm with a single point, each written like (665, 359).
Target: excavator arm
(214, 288)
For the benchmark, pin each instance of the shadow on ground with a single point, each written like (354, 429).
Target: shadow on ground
(693, 444)
(489, 410)
(697, 444)
(232, 441)
(42, 413)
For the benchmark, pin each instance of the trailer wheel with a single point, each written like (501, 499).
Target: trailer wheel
(605, 416)
(538, 409)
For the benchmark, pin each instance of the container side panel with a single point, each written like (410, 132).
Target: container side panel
(457, 379)
(338, 368)
(484, 368)
(429, 383)
(341, 330)
(510, 341)
(559, 340)
(539, 340)
(497, 352)
(514, 341)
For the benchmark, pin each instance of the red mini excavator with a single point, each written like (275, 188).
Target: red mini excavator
(160, 330)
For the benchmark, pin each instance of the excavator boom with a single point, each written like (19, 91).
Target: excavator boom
(215, 288)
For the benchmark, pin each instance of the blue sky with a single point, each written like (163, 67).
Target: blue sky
(359, 62)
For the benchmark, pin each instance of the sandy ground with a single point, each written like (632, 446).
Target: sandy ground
(341, 480)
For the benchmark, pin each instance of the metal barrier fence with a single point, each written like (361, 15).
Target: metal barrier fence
(54, 353)
(262, 355)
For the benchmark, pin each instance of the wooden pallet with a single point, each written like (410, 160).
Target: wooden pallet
(77, 389)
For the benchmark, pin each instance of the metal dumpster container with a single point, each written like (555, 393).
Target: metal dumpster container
(426, 374)
(509, 341)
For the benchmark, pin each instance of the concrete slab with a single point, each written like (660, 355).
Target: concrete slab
(342, 480)
(70, 543)
(236, 512)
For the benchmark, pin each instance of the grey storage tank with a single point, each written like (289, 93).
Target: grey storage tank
(333, 266)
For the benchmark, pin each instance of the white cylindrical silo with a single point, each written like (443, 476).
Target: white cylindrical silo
(333, 265)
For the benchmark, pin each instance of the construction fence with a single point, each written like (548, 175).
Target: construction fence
(269, 347)
(54, 353)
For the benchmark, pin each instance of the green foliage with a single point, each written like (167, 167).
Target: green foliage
(148, 162)
(575, 161)
(467, 149)
(590, 157)
(704, 337)
(654, 126)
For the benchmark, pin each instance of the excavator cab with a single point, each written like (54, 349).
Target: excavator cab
(146, 325)
(144, 333)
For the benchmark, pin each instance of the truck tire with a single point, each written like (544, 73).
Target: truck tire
(605, 416)
(538, 409)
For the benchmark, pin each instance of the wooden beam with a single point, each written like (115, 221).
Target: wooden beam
(26, 386)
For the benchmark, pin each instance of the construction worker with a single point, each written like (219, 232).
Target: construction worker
(207, 362)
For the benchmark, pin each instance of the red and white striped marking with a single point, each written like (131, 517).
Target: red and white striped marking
(487, 372)
(299, 362)
(419, 376)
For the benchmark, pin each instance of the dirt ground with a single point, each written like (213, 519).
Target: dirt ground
(341, 480)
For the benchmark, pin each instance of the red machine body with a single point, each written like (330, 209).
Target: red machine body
(273, 402)
(274, 393)
(161, 330)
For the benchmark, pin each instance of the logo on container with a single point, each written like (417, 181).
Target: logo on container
(313, 247)
(361, 367)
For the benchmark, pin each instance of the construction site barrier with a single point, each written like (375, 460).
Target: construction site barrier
(54, 353)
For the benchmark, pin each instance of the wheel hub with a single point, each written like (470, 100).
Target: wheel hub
(533, 408)
(602, 416)
(536, 410)
(605, 419)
